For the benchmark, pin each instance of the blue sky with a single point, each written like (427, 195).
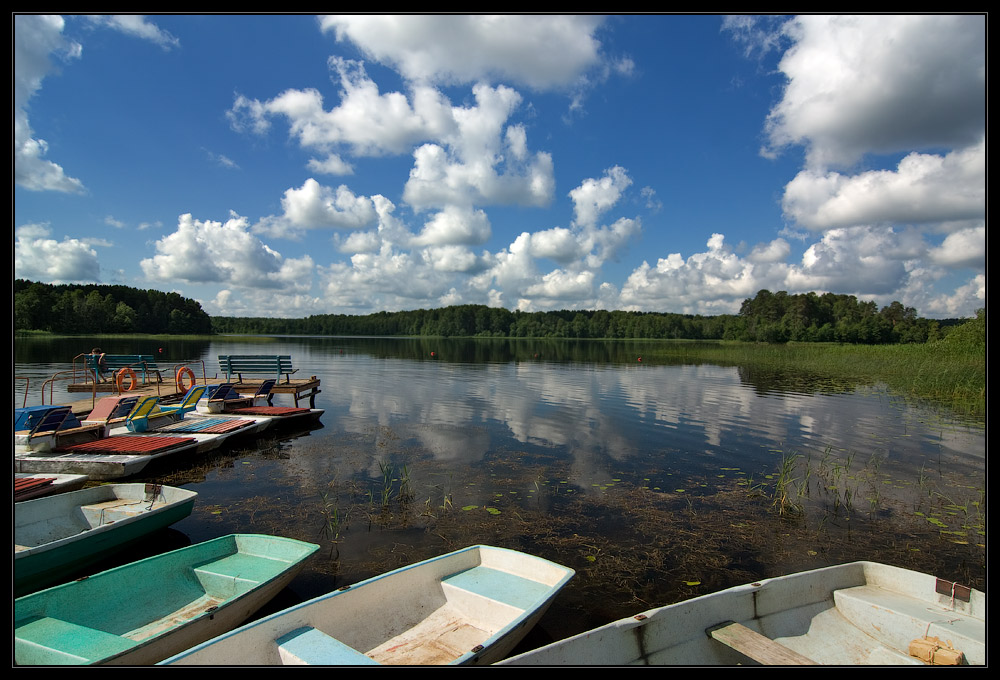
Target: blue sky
(296, 165)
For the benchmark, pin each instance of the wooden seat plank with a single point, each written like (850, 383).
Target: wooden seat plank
(758, 647)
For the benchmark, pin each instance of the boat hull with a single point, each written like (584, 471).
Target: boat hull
(161, 605)
(862, 613)
(468, 607)
(58, 536)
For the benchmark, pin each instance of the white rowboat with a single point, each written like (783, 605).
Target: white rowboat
(471, 606)
(862, 613)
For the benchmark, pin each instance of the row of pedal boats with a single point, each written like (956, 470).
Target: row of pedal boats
(124, 433)
(471, 606)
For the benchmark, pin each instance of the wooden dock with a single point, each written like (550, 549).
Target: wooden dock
(299, 390)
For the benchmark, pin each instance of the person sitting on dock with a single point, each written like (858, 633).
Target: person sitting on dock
(96, 363)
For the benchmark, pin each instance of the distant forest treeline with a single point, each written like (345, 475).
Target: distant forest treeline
(96, 310)
(767, 317)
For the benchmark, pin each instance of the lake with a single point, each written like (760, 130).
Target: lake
(656, 482)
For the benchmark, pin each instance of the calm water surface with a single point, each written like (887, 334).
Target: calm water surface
(655, 482)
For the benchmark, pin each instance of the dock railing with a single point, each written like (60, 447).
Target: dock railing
(178, 369)
(71, 376)
(27, 386)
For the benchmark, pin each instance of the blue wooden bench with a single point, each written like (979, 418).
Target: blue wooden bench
(256, 364)
(144, 365)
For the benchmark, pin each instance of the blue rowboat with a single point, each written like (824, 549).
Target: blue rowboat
(57, 536)
(471, 606)
(143, 612)
(861, 613)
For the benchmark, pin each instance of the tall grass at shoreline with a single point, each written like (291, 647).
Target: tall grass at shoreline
(950, 374)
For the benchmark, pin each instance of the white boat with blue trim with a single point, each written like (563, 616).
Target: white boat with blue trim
(861, 613)
(471, 606)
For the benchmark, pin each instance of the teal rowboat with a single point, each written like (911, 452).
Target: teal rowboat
(56, 537)
(145, 611)
(471, 606)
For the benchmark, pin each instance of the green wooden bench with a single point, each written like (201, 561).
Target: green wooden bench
(256, 364)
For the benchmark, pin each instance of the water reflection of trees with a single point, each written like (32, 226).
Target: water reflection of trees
(769, 380)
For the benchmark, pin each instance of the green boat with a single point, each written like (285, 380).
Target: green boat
(146, 611)
(57, 537)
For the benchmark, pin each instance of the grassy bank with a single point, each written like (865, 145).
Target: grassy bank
(952, 375)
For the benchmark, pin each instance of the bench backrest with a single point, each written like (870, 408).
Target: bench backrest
(267, 364)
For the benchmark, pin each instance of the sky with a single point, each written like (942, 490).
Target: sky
(290, 165)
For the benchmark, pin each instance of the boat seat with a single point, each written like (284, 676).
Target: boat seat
(76, 644)
(310, 647)
(106, 512)
(513, 590)
(902, 618)
(232, 575)
(760, 648)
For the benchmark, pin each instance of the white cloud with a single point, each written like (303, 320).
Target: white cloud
(455, 226)
(331, 165)
(482, 160)
(40, 258)
(226, 253)
(314, 206)
(962, 303)
(137, 26)
(559, 244)
(855, 259)
(539, 51)
(924, 188)
(965, 248)
(463, 155)
(36, 39)
(860, 84)
(594, 197)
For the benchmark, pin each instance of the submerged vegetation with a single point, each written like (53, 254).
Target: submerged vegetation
(639, 539)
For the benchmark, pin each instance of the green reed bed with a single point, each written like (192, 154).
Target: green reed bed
(950, 374)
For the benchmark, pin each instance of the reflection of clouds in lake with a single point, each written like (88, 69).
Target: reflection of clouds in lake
(451, 443)
(603, 416)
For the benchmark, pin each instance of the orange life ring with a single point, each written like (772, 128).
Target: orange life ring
(179, 378)
(133, 380)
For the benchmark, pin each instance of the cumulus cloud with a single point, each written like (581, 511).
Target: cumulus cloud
(40, 258)
(314, 206)
(965, 248)
(227, 253)
(455, 226)
(595, 196)
(713, 280)
(924, 188)
(880, 84)
(366, 121)
(540, 52)
(37, 38)
(463, 155)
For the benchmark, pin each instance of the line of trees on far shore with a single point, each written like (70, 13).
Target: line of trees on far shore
(767, 317)
(97, 310)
